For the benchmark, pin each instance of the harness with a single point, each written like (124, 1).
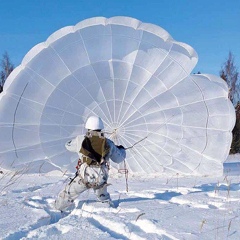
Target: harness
(94, 149)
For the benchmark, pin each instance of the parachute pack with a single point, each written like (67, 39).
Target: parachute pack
(94, 148)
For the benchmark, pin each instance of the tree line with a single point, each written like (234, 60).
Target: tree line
(6, 68)
(228, 72)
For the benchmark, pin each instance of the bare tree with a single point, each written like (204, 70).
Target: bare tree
(230, 74)
(235, 147)
(6, 68)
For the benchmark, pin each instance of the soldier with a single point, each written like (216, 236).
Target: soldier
(93, 165)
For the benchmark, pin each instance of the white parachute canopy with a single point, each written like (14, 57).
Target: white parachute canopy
(137, 79)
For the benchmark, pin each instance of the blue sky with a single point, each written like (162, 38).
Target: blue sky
(211, 27)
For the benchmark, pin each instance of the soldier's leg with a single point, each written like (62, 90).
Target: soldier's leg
(70, 192)
(102, 194)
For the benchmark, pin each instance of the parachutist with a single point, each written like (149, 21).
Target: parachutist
(93, 165)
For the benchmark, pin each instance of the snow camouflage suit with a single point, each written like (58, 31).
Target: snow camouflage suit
(92, 169)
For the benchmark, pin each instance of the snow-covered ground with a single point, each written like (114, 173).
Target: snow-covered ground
(171, 207)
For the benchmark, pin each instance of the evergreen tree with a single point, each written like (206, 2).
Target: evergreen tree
(6, 68)
(230, 74)
(235, 148)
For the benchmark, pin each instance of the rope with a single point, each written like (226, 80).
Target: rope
(125, 172)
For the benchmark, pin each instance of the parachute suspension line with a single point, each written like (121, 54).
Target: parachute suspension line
(123, 170)
(137, 142)
(114, 136)
(207, 122)
(126, 175)
(14, 120)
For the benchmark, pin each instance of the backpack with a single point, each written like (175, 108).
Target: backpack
(94, 147)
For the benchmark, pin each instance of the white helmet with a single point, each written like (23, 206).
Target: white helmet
(94, 123)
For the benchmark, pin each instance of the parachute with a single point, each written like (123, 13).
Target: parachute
(133, 75)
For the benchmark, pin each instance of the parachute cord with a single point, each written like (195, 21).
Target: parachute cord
(125, 172)
(136, 143)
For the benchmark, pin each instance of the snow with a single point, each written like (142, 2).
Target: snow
(155, 207)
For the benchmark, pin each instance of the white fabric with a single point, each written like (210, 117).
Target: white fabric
(133, 75)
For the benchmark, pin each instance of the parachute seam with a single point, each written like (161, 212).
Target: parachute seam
(205, 124)
(203, 100)
(56, 108)
(125, 139)
(47, 98)
(141, 106)
(173, 60)
(142, 87)
(137, 160)
(64, 112)
(156, 144)
(151, 142)
(145, 84)
(72, 73)
(113, 80)
(200, 101)
(132, 65)
(95, 75)
(14, 120)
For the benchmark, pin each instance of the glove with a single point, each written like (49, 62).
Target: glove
(120, 147)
